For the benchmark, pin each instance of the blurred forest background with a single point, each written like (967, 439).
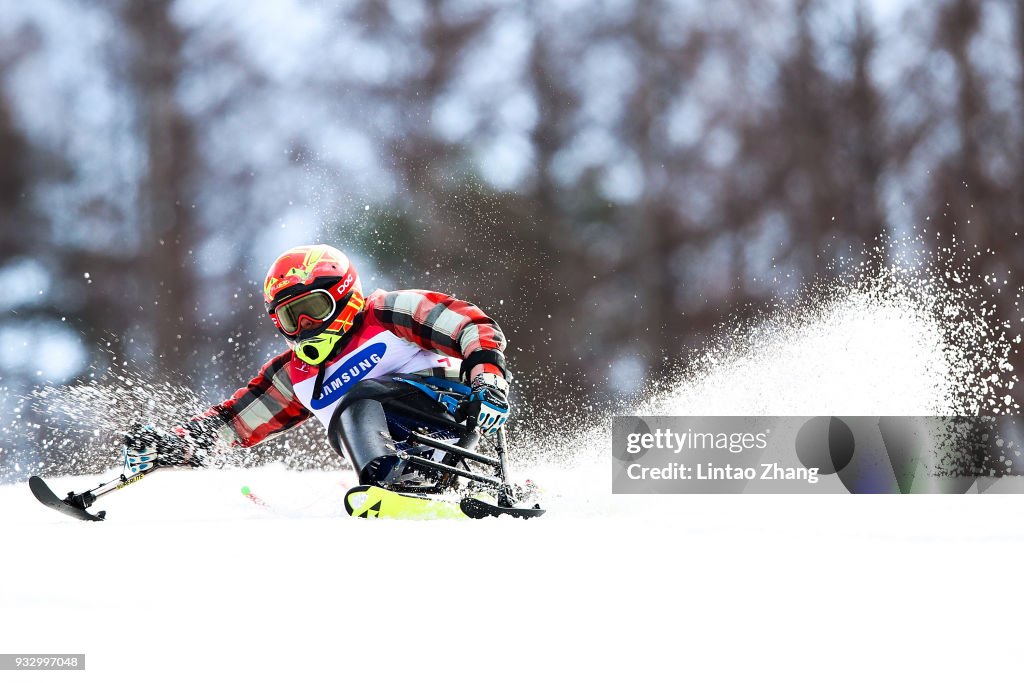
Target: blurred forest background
(608, 178)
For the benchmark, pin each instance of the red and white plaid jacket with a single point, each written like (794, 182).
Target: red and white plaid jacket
(267, 405)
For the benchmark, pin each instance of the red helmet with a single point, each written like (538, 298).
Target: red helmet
(313, 295)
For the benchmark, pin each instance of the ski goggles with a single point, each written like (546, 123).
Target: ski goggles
(317, 305)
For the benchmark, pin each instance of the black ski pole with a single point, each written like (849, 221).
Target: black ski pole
(504, 496)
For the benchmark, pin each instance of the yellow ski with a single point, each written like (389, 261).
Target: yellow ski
(373, 501)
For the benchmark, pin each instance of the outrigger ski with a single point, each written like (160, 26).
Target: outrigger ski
(69, 506)
(76, 504)
(477, 508)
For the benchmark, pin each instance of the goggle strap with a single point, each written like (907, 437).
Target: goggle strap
(344, 321)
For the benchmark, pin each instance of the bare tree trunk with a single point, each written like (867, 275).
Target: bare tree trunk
(967, 187)
(13, 179)
(168, 228)
(868, 139)
(1019, 218)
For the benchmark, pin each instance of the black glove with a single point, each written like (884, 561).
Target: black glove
(146, 448)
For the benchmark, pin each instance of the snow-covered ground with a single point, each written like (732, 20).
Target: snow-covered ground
(189, 578)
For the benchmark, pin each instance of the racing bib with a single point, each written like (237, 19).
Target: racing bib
(366, 357)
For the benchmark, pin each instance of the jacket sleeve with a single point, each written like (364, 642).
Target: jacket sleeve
(442, 323)
(263, 408)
